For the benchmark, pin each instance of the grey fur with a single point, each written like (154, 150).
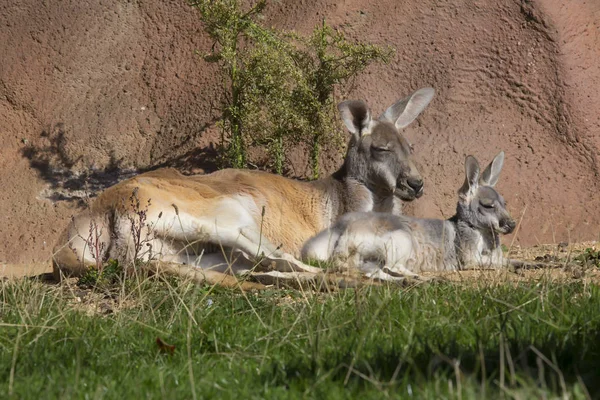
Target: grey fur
(378, 171)
(390, 246)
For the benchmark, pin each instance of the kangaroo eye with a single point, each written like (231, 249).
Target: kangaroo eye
(380, 149)
(486, 204)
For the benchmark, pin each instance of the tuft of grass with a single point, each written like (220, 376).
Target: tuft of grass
(111, 274)
(175, 339)
(589, 258)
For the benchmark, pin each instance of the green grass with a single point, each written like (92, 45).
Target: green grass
(434, 341)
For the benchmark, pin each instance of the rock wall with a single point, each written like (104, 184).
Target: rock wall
(92, 89)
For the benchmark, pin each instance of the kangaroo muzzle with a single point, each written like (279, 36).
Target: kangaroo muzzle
(416, 185)
(409, 189)
(507, 225)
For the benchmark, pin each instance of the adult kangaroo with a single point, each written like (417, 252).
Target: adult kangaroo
(203, 220)
(391, 247)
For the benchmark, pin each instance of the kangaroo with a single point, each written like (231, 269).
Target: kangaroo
(391, 247)
(203, 220)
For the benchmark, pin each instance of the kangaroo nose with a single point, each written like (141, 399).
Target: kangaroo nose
(510, 226)
(415, 184)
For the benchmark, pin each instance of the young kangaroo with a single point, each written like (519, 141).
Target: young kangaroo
(386, 246)
(202, 220)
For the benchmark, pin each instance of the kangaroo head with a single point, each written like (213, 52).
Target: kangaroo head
(479, 204)
(379, 156)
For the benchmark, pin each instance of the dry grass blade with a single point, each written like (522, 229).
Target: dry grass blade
(201, 276)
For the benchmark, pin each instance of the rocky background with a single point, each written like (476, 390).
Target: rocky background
(93, 90)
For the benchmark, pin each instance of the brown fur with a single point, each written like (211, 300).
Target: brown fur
(300, 202)
(248, 213)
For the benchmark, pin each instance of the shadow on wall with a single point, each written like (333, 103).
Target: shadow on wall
(54, 166)
(197, 161)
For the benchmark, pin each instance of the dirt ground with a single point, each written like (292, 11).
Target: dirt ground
(564, 259)
(547, 263)
(92, 91)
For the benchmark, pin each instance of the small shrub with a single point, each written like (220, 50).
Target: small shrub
(278, 87)
(327, 59)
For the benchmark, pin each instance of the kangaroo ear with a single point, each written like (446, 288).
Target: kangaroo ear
(471, 175)
(356, 116)
(490, 175)
(404, 111)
